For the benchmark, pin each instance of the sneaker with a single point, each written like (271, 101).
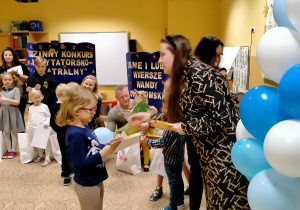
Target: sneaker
(67, 181)
(186, 190)
(157, 194)
(5, 155)
(11, 155)
(181, 207)
(14, 154)
(46, 163)
(164, 208)
(38, 159)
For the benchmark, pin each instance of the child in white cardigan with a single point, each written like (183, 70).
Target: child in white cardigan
(38, 114)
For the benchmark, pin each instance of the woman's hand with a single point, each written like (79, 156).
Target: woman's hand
(177, 128)
(14, 72)
(143, 127)
(139, 118)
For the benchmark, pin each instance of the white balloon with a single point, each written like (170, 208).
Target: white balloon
(241, 132)
(282, 147)
(292, 8)
(277, 51)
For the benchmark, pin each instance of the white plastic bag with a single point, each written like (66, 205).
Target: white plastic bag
(2, 145)
(55, 149)
(27, 152)
(129, 159)
(157, 164)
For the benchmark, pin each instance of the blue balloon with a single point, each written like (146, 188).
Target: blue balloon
(289, 91)
(104, 135)
(260, 110)
(248, 157)
(280, 16)
(270, 190)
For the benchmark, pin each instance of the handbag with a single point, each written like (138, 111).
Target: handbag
(129, 159)
(157, 164)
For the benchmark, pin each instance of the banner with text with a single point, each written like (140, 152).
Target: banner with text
(145, 73)
(66, 61)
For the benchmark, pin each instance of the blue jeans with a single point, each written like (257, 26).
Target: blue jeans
(175, 184)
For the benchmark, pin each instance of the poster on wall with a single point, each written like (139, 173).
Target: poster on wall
(240, 71)
(270, 21)
(66, 61)
(145, 73)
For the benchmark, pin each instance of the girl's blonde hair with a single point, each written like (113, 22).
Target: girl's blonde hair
(95, 90)
(16, 82)
(39, 59)
(32, 93)
(75, 99)
(61, 90)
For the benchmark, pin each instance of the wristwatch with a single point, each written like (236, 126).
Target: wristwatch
(17, 75)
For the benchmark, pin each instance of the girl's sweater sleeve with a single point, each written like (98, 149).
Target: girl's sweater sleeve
(77, 153)
(47, 114)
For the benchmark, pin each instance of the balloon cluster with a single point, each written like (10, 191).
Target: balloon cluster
(268, 148)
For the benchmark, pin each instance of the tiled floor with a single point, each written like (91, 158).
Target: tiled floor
(30, 187)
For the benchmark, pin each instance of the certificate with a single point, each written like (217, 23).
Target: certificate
(127, 141)
(41, 136)
(16, 68)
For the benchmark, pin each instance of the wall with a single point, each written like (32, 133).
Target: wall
(194, 18)
(237, 19)
(144, 20)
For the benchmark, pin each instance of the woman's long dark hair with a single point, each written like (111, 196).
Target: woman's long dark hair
(15, 60)
(206, 48)
(181, 54)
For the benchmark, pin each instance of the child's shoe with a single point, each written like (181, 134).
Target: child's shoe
(5, 155)
(157, 194)
(46, 163)
(13, 154)
(67, 181)
(181, 207)
(164, 208)
(38, 159)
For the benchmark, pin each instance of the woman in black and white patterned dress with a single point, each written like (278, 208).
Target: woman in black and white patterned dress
(201, 107)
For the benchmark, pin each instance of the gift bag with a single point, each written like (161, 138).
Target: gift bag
(157, 164)
(27, 152)
(129, 159)
(55, 149)
(2, 145)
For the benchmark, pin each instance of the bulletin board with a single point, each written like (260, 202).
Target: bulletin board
(111, 49)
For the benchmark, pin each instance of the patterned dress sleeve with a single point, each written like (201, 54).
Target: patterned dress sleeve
(205, 105)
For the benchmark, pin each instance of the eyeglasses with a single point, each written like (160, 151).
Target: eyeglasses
(91, 110)
(171, 41)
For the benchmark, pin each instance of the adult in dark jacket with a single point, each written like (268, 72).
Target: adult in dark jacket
(45, 79)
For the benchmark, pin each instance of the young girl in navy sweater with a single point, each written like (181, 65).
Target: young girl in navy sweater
(84, 151)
